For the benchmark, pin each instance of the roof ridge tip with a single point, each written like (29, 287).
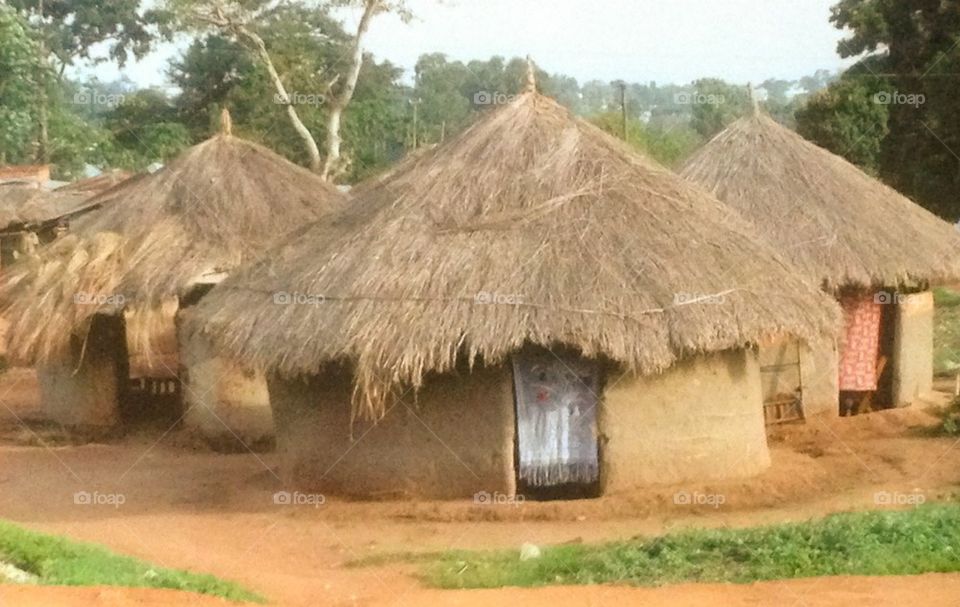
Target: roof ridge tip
(754, 102)
(531, 86)
(226, 123)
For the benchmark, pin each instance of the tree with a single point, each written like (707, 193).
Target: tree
(715, 104)
(845, 119)
(915, 44)
(19, 70)
(144, 129)
(216, 72)
(669, 146)
(71, 28)
(240, 20)
(66, 30)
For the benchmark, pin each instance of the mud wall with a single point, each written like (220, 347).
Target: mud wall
(700, 420)
(86, 392)
(818, 374)
(913, 348)
(453, 440)
(222, 400)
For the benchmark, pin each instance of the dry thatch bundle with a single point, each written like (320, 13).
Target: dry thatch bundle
(218, 205)
(833, 221)
(530, 227)
(97, 184)
(26, 205)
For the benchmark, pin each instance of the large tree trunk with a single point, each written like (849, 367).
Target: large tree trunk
(340, 103)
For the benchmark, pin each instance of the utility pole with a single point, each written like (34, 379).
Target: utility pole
(416, 121)
(623, 106)
(43, 147)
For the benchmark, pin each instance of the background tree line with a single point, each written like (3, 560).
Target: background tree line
(892, 113)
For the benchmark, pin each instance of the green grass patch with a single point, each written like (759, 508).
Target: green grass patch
(920, 540)
(58, 561)
(946, 337)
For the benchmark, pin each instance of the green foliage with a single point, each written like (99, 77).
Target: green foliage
(20, 76)
(58, 561)
(144, 130)
(73, 27)
(846, 118)
(946, 331)
(920, 540)
(669, 146)
(917, 43)
(716, 104)
(309, 49)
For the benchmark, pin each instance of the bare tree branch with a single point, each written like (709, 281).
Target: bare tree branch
(219, 19)
(341, 101)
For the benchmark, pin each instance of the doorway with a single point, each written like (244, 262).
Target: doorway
(866, 366)
(557, 396)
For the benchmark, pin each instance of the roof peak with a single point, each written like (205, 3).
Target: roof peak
(752, 94)
(226, 123)
(531, 76)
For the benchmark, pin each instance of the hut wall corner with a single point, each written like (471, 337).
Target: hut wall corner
(913, 349)
(222, 401)
(86, 393)
(454, 439)
(818, 373)
(700, 420)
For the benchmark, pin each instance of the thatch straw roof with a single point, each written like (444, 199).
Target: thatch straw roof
(530, 227)
(24, 205)
(98, 183)
(840, 226)
(216, 206)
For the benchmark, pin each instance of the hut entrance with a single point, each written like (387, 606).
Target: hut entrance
(781, 375)
(866, 372)
(557, 450)
(150, 401)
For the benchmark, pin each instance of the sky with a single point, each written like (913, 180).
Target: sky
(667, 41)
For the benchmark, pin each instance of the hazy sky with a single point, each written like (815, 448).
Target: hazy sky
(636, 40)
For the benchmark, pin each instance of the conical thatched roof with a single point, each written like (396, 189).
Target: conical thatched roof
(530, 227)
(216, 206)
(840, 226)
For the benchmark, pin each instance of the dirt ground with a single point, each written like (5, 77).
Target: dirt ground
(186, 507)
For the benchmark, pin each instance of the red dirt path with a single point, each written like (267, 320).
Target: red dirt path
(192, 509)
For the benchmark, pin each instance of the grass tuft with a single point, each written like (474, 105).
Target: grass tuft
(946, 358)
(58, 561)
(920, 540)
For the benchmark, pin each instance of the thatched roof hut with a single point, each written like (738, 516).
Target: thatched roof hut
(532, 227)
(218, 205)
(840, 226)
(859, 239)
